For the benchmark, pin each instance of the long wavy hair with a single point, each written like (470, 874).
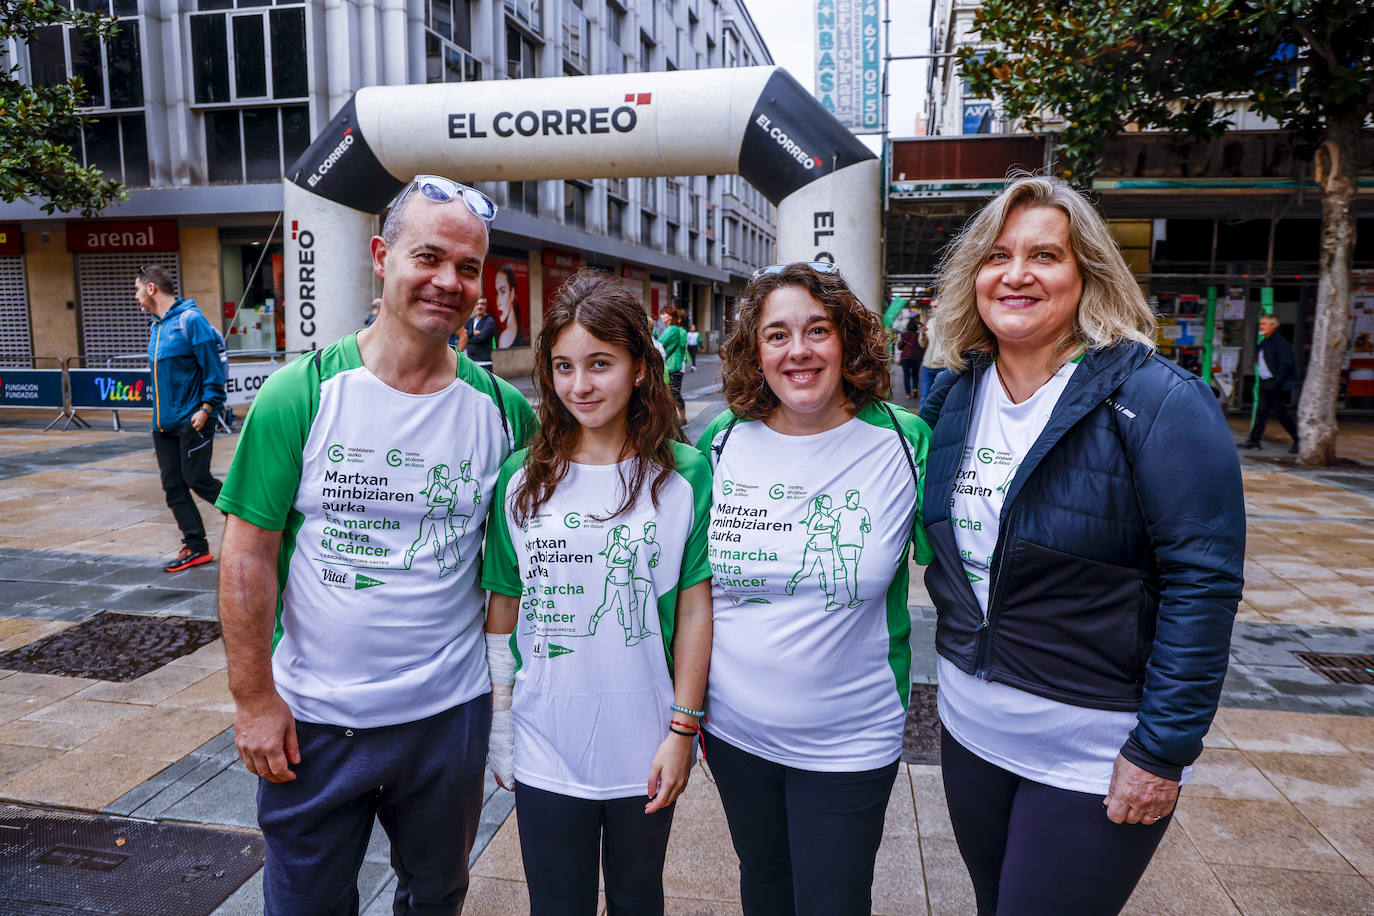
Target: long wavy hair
(863, 339)
(609, 313)
(1111, 309)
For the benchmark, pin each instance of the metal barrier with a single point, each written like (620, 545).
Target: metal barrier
(115, 388)
(34, 388)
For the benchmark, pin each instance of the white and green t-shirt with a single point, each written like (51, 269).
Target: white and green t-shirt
(1044, 740)
(380, 497)
(598, 603)
(810, 659)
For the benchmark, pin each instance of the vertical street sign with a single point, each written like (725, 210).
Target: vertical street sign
(849, 62)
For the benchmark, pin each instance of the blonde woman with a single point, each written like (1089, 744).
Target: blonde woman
(1083, 499)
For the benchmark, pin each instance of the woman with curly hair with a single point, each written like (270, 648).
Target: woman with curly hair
(808, 695)
(601, 716)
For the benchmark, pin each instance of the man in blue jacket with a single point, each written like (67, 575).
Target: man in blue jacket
(188, 363)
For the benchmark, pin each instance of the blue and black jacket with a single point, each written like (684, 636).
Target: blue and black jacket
(188, 363)
(1119, 559)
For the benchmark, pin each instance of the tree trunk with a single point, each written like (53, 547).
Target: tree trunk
(1335, 172)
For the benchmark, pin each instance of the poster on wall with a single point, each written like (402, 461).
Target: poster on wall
(633, 278)
(658, 291)
(506, 284)
(558, 266)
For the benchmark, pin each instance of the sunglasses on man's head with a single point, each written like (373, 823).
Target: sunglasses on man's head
(443, 190)
(821, 267)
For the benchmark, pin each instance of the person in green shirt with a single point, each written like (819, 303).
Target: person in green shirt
(674, 340)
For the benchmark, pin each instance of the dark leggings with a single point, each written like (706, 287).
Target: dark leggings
(1032, 849)
(675, 389)
(561, 839)
(806, 840)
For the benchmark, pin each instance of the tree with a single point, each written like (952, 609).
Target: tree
(1178, 66)
(35, 159)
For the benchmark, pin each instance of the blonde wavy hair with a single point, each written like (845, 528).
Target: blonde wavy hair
(1111, 309)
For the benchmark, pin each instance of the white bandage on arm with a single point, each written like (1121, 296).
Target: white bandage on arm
(501, 751)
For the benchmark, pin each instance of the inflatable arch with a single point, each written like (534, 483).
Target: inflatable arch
(754, 121)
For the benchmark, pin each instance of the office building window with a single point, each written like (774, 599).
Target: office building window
(269, 59)
(522, 55)
(576, 38)
(523, 196)
(646, 55)
(111, 71)
(445, 62)
(528, 13)
(615, 218)
(451, 20)
(646, 228)
(254, 144)
(575, 203)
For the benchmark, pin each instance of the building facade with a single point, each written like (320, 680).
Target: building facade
(1237, 218)
(201, 106)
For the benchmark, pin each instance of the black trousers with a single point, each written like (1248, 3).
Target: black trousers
(183, 458)
(675, 389)
(561, 839)
(421, 780)
(1034, 850)
(1272, 400)
(806, 840)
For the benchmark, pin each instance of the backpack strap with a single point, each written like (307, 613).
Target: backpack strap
(719, 449)
(500, 404)
(906, 446)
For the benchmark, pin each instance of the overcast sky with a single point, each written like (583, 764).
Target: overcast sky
(789, 29)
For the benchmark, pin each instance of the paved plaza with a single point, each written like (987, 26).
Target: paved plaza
(1276, 820)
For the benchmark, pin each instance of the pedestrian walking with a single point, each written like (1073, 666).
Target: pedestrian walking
(1089, 530)
(932, 358)
(187, 359)
(1278, 375)
(910, 351)
(356, 657)
(674, 341)
(815, 508)
(693, 343)
(613, 625)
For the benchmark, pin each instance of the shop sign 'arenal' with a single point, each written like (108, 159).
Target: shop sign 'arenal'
(122, 235)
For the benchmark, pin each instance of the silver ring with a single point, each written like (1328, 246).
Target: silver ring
(1150, 818)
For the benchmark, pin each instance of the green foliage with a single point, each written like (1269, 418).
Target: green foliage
(1169, 65)
(38, 124)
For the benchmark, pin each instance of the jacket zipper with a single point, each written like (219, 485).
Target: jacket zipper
(157, 399)
(984, 630)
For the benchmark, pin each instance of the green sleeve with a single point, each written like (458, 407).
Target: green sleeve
(500, 569)
(917, 433)
(266, 471)
(693, 467)
(712, 430)
(523, 422)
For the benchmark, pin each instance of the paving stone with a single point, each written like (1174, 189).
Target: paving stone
(1228, 773)
(228, 798)
(52, 686)
(1179, 889)
(1285, 892)
(22, 593)
(153, 687)
(948, 887)
(1230, 831)
(1334, 780)
(16, 759)
(1262, 730)
(80, 779)
(162, 733)
(1349, 830)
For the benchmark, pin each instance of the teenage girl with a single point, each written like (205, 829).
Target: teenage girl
(601, 716)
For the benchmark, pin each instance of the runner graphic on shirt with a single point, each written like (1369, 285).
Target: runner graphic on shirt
(645, 553)
(852, 522)
(435, 528)
(466, 495)
(819, 552)
(1011, 475)
(619, 590)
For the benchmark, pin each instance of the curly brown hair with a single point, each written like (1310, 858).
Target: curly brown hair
(863, 339)
(609, 313)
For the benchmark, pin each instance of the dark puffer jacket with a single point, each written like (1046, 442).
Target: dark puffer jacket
(1119, 558)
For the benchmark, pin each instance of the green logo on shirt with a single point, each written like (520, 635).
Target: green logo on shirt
(336, 453)
(362, 581)
(572, 520)
(555, 651)
(393, 457)
(776, 491)
(985, 455)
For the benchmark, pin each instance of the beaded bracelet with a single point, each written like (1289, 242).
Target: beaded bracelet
(698, 713)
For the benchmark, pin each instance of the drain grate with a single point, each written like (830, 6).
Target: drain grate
(55, 862)
(113, 647)
(921, 737)
(1342, 669)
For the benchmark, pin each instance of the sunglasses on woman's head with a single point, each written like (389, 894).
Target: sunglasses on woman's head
(822, 267)
(443, 190)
